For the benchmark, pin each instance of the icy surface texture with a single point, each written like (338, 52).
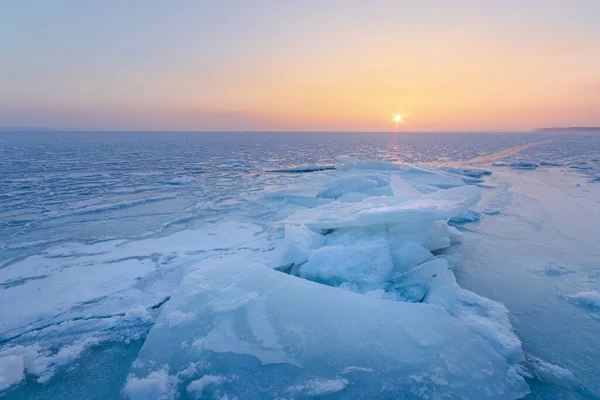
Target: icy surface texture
(539, 256)
(258, 333)
(466, 217)
(97, 231)
(110, 292)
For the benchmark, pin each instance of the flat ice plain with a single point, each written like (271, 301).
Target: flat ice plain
(439, 267)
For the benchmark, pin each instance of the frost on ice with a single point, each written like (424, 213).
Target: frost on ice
(548, 373)
(157, 385)
(12, 368)
(589, 300)
(358, 300)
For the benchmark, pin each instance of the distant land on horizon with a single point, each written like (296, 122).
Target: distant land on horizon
(570, 129)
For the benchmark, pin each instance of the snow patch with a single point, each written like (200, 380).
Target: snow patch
(197, 387)
(552, 269)
(43, 363)
(589, 300)
(157, 385)
(319, 387)
(138, 314)
(549, 373)
(12, 368)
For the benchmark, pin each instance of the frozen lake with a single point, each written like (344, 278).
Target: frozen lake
(299, 265)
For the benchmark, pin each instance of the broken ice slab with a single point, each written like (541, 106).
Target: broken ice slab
(440, 205)
(253, 332)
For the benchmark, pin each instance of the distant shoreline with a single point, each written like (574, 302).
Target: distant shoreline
(570, 129)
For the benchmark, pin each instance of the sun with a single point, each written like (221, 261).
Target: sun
(398, 118)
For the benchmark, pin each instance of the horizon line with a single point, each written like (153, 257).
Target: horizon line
(556, 129)
(15, 129)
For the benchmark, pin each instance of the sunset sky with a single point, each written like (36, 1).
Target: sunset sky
(300, 65)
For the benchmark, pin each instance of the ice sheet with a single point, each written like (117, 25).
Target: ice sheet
(269, 334)
(442, 204)
(536, 255)
(101, 293)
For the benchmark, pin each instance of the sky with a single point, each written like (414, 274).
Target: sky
(279, 65)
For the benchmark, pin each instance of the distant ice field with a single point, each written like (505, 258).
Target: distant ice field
(134, 185)
(299, 265)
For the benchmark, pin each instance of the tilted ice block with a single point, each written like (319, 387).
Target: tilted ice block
(415, 174)
(365, 264)
(440, 205)
(351, 236)
(348, 162)
(402, 189)
(465, 217)
(73, 281)
(414, 284)
(352, 197)
(431, 176)
(409, 254)
(345, 186)
(266, 334)
(486, 317)
(423, 273)
(472, 172)
(430, 234)
(301, 200)
(299, 242)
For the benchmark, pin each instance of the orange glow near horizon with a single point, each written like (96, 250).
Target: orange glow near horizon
(356, 91)
(287, 66)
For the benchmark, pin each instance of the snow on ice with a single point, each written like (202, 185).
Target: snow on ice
(589, 300)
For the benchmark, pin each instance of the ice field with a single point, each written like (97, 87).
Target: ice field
(295, 266)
